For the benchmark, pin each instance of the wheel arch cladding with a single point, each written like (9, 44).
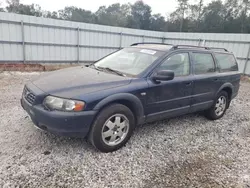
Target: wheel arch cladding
(229, 91)
(129, 100)
(228, 87)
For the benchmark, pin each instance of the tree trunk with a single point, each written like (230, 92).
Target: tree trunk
(199, 15)
(182, 20)
(243, 20)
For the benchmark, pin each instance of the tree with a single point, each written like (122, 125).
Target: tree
(77, 14)
(1, 8)
(213, 20)
(48, 14)
(245, 4)
(140, 16)
(183, 7)
(232, 8)
(16, 7)
(158, 23)
(194, 15)
(13, 5)
(227, 16)
(231, 17)
(115, 15)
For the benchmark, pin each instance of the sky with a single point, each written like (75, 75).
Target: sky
(158, 6)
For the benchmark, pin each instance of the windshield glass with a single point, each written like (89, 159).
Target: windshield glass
(130, 61)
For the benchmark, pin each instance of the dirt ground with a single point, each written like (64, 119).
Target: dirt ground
(188, 151)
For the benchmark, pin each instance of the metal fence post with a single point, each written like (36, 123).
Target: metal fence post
(199, 42)
(163, 40)
(78, 45)
(23, 42)
(204, 42)
(120, 45)
(245, 66)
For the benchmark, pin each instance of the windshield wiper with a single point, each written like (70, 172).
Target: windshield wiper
(95, 67)
(108, 69)
(114, 71)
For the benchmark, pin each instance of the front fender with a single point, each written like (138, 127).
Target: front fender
(135, 101)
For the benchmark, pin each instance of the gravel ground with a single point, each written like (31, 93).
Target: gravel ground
(188, 151)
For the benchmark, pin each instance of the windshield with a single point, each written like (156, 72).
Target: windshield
(129, 61)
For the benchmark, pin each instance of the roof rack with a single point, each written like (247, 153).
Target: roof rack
(212, 48)
(178, 46)
(191, 46)
(204, 47)
(135, 44)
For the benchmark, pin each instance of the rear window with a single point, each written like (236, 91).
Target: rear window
(203, 63)
(226, 62)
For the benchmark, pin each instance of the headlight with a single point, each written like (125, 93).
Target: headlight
(55, 103)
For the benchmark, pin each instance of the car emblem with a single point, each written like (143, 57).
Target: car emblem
(27, 93)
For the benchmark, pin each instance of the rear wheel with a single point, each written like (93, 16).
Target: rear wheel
(219, 107)
(112, 128)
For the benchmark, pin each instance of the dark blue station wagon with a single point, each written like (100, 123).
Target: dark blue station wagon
(142, 83)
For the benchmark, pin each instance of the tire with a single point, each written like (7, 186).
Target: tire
(112, 128)
(219, 107)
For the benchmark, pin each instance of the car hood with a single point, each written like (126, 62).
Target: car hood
(72, 82)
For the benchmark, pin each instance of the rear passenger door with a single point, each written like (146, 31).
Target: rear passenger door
(206, 80)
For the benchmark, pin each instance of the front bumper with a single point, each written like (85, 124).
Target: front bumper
(73, 124)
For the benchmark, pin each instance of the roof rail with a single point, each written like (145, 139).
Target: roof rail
(178, 46)
(135, 44)
(212, 48)
(191, 46)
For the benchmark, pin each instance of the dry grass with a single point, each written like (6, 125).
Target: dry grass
(21, 67)
(33, 67)
(57, 67)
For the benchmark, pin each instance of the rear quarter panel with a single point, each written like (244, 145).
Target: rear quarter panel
(232, 78)
(229, 77)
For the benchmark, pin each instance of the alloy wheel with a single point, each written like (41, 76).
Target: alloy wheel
(220, 106)
(115, 129)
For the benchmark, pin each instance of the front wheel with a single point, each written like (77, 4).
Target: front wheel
(219, 107)
(112, 128)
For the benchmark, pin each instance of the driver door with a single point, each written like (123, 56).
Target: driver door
(171, 98)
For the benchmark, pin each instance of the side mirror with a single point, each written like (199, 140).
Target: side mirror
(163, 75)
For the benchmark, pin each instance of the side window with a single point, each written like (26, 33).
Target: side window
(203, 63)
(179, 63)
(226, 62)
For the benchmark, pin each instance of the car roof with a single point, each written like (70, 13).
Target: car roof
(166, 47)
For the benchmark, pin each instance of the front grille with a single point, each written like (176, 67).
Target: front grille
(29, 96)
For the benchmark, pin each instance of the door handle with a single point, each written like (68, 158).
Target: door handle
(216, 79)
(188, 83)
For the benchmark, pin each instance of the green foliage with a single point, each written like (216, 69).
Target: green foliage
(49, 14)
(77, 14)
(1, 8)
(16, 7)
(114, 15)
(213, 20)
(140, 16)
(228, 16)
(157, 22)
